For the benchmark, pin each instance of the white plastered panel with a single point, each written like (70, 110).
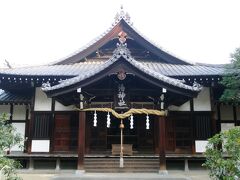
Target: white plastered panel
(19, 112)
(184, 107)
(4, 109)
(226, 126)
(40, 145)
(42, 102)
(200, 146)
(20, 127)
(203, 101)
(60, 107)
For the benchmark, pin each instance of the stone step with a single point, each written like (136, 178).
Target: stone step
(132, 164)
(117, 165)
(117, 161)
(118, 170)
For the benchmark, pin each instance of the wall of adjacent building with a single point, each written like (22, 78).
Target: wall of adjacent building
(226, 114)
(43, 104)
(18, 120)
(201, 103)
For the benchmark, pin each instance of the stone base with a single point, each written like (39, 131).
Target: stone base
(79, 172)
(163, 172)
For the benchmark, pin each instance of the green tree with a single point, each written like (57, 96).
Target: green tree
(223, 155)
(231, 80)
(8, 139)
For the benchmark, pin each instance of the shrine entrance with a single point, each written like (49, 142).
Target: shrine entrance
(101, 138)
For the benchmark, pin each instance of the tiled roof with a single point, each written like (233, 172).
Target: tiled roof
(8, 97)
(84, 67)
(122, 51)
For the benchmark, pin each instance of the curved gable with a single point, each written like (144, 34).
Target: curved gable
(121, 24)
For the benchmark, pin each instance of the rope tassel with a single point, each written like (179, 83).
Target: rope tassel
(108, 120)
(131, 122)
(147, 122)
(95, 119)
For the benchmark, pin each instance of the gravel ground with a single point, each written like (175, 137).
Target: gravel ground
(63, 175)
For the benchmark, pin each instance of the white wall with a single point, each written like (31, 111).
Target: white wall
(203, 101)
(20, 127)
(60, 107)
(4, 109)
(200, 146)
(226, 112)
(184, 107)
(19, 112)
(226, 126)
(40, 145)
(42, 102)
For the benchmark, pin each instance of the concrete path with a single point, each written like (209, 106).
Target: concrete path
(64, 175)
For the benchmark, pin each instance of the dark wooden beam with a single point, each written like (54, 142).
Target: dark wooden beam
(81, 140)
(162, 143)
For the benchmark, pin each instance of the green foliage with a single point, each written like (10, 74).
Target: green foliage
(8, 138)
(231, 80)
(223, 155)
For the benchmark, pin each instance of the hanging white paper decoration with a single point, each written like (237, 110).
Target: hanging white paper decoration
(95, 119)
(147, 122)
(131, 122)
(108, 120)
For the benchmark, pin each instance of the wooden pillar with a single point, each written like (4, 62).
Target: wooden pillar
(52, 126)
(156, 139)
(218, 119)
(235, 115)
(30, 123)
(30, 133)
(26, 129)
(162, 145)
(192, 119)
(213, 112)
(11, 113)
(81, 140)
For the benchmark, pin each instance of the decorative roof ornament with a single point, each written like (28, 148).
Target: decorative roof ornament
(46, 85)
(122, 49)
(196, 86)
(122, 15)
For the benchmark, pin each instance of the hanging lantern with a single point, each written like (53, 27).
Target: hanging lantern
(147, 122)
(95, 119)
(108, 120)
(131, 122)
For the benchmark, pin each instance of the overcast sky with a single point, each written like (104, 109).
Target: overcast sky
(41, 31)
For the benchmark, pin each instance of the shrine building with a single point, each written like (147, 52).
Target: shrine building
(119, 97)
